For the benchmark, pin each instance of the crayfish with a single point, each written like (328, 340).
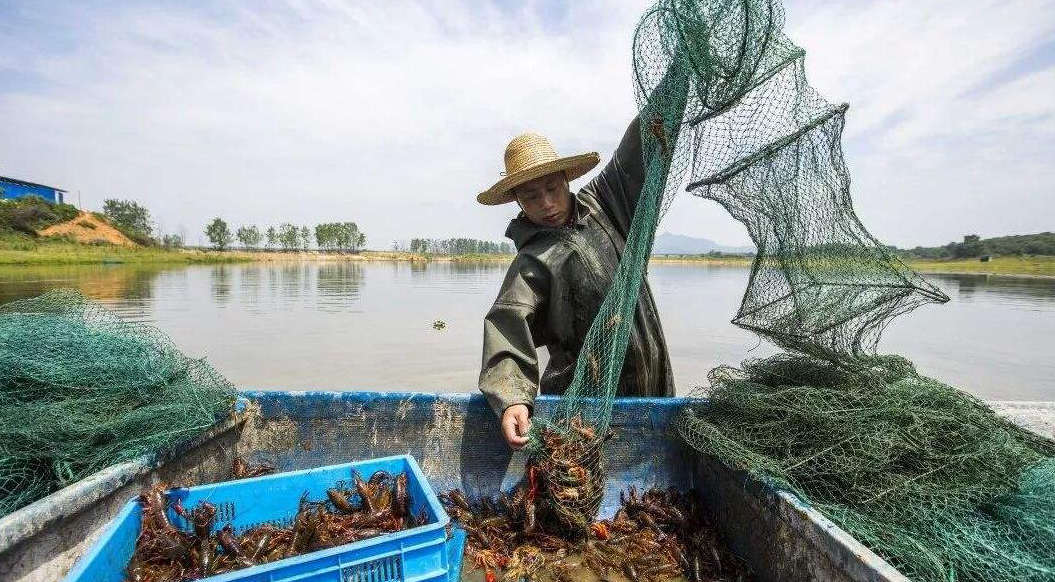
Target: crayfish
(163, 551)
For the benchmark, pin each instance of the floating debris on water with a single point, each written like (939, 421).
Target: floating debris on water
(439, 324)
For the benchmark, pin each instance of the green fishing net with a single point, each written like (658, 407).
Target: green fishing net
(929, 478)
(925, 475)
(81, 390)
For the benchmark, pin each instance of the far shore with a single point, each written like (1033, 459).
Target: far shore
(64, 253)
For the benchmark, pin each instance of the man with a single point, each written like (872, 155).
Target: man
(568, 247)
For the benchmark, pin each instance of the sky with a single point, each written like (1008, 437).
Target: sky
(395, 114)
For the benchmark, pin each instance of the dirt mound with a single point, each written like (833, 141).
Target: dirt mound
(88, 229)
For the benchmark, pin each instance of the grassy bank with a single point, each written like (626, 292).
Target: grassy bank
(22, 250)
(362, 256)
(722, 261)
(1038, 266)
(17, 249)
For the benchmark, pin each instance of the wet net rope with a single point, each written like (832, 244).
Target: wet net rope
(928, 477)
(82, 389)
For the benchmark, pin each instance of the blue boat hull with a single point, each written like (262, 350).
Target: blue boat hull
(455, 440)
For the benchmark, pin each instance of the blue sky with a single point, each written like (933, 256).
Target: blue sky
(395, 114)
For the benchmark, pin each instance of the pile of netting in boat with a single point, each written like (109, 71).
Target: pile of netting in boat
(81, 390)
(928, 477)
(662, 534)
(165, 552)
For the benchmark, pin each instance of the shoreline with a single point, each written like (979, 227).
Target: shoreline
(1038, 267)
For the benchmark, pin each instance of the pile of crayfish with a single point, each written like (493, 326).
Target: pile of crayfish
(661, 534)
(166, 553)
(568, 473)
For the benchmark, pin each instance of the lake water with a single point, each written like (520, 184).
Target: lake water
(351, 325)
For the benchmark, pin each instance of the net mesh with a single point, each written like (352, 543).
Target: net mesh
(927, 476)
(81, 389)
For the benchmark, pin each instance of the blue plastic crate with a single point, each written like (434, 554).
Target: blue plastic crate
(420, 554)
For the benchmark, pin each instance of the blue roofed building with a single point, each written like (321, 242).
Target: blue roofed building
(12, 188)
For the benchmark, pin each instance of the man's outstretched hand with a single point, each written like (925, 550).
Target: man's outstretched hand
(516, 422)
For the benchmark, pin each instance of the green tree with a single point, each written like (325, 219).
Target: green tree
(971, 246)
(458, 246)
(172, 241)
(249, 236)
(218, 233)
(324, 236)
(272, 238)
(305, 237)
(288, 236)
(129, 217)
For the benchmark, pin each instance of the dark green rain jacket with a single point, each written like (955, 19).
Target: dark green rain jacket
(555, 286)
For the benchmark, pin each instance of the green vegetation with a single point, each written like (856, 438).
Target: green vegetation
(29, 214)
(339, 237)
(131, 219)
(1038, 266)
(711, 258)
(21, 218)
(457, 246)
(172, 241)
(973, 246)
(218, 233)
(249, 236)
(21, 249)
(289, 236)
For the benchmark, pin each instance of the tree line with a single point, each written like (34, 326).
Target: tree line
(330, 236)
(974, 246)
(457, 246)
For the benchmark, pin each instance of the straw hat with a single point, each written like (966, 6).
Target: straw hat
(530, 156)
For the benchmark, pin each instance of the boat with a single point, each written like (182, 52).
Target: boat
(455, 440)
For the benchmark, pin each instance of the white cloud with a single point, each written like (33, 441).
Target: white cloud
(934, 151)
(395, 114)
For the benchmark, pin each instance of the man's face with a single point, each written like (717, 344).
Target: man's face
(546, 201)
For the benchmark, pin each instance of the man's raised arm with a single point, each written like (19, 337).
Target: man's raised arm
(618, 186)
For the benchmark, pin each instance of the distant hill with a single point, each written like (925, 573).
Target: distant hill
(973, 246)
(680, 244)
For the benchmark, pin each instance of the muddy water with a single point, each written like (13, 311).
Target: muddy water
(348, 325)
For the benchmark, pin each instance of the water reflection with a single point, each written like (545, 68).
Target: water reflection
(966, 285)
(338, 285)
(249, 282)
(221, 283)
(361, 325)
(1022, 291)
(126, 290)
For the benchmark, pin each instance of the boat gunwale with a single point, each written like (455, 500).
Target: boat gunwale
(821, 534)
